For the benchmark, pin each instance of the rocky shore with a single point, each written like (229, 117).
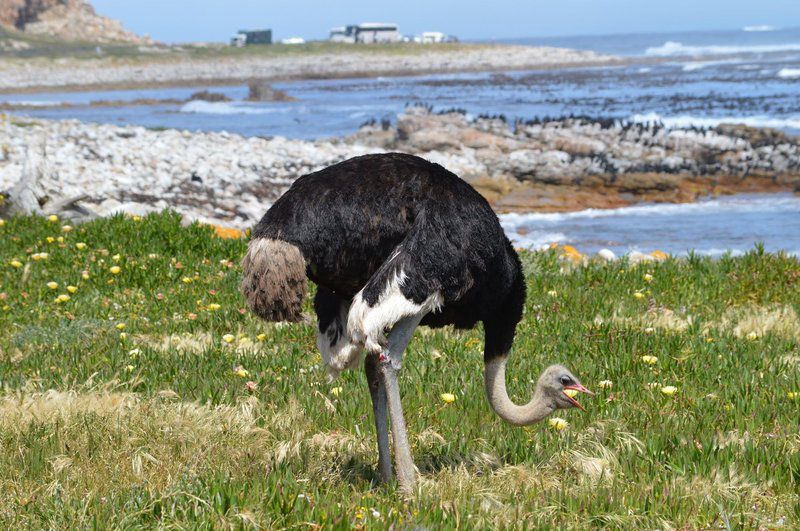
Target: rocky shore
(557, 165)
(171, 67)
(578, 162)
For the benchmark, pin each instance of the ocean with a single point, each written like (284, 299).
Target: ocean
(750, 76)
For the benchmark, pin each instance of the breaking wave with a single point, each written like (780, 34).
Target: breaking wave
(33, 103)
(224, 107)
(672, 48)
(759, 28)
(789, 73)
(790, 122)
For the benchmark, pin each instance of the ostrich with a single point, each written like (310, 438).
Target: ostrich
(393, 241)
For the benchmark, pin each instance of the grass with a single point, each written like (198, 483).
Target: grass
(152, 424)
(47, 47)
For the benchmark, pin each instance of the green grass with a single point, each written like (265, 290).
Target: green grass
(46, 47)
(158, 429)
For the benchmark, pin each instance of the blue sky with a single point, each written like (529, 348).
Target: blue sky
(204, 20)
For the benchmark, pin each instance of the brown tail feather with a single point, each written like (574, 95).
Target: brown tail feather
(274, 279)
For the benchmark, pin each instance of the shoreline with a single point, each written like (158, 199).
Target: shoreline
(223, 67)
(361, 66)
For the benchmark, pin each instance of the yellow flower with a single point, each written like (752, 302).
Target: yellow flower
(129, 368)
(793, 395)
(72, 289)
(606, 384)
(709, 340)
(60, 239)
(669, 390)
(50, 239)
(36, 257)
(120, 326)
(213, 306)
(187, 280)
(228, 338)
(80, 246)
(116, 257)
(15, 263)
(115, 270)
(448, 398)
(261, 337)
(241, 372)
(336, 391)
(2, 222)
(85, 275)
(52, 285)
(552, 293)
(648, 277)
(752, 336)
(137, 218)
(558, 423)
(62, 298)
(650, 360)
(52, 218)
(638, 295)
(123, 336)
(572, 393)
(66, 228)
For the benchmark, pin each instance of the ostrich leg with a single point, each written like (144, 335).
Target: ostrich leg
(398, 340)
(378, 392)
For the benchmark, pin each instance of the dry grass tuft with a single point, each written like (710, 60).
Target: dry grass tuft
(780, 320)
(186, 343)
(658, 318)
(112, 441)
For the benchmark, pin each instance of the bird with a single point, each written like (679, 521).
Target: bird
(393, 241)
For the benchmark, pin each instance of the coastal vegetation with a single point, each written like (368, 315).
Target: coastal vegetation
(138, 392)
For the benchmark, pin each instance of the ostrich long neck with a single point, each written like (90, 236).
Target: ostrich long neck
(495, 379)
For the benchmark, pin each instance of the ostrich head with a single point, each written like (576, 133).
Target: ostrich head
(555, 389)
(559, 387)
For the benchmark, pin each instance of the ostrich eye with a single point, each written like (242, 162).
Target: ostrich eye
(566, 380)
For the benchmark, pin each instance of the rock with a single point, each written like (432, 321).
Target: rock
(74, 20)
(263, 91)
(606, 255)
(207, 95)
(636, 257)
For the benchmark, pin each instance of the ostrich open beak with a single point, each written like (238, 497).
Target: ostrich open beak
(577, 388)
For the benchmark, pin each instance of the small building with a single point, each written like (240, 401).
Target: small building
(248, 37)
(372, 32)
(343, 34)
(432, 37)
(368, 32)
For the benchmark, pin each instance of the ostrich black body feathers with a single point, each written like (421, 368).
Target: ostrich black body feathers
(367, 220)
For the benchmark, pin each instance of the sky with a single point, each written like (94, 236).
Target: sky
(217, 20)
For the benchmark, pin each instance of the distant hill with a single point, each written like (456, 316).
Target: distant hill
(72, 20)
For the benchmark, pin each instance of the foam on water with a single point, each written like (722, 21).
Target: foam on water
(672, 48)
(759, 28)
(33, 103)
(789, 73)
(224, 107)
(789, 122)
